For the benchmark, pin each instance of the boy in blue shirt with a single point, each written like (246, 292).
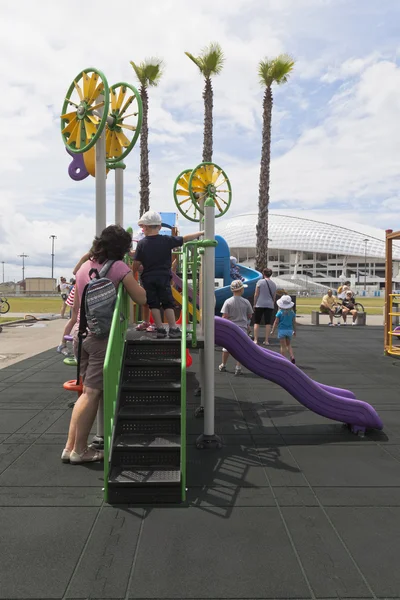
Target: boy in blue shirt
(285, 321)
(154, 253)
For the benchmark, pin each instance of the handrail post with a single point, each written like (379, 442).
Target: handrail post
(209, 439)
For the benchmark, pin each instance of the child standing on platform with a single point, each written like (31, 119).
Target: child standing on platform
(239, 311)
(285, 321)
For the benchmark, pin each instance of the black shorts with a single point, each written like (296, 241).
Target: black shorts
(259, 312)
(158, 291)
(64, 297)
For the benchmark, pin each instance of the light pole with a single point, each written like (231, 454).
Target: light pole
(52, 237)
(365, 263)
(23, 256)
(2, 262)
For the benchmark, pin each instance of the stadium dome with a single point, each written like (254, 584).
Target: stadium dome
(298, 233)
(314, 249)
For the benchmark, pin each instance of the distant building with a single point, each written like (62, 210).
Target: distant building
(40, 285)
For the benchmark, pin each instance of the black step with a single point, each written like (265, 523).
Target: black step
(152, 349)
(140, 486)
(149, 477)
(151, 426)
(145, 361)
(151, 373)
(153, 397)
(140, 458)
(149, 441)
(149, 412)
(154, 386)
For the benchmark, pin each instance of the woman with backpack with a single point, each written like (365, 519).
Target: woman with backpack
(264, 303)
(106, 265)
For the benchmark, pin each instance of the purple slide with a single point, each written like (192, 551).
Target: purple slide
(333, 403)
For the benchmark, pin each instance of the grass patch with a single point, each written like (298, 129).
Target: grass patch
(35, 305)
(372, 306)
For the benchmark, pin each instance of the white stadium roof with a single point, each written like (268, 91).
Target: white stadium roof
(293, 231)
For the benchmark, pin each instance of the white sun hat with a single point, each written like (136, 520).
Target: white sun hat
(285, 302)
(151, 217)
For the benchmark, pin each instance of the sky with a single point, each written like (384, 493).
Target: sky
(336, 123)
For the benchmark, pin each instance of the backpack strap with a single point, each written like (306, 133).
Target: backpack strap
(82, 332)
(105, 268)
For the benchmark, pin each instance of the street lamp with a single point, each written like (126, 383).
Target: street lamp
(3, 262)
(52, 237)
(365, 263)
(23, 256)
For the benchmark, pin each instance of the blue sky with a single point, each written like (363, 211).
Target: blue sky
(336, 124)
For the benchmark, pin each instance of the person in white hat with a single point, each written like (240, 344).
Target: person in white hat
(154, 254)
(285, 321)
(239, 311)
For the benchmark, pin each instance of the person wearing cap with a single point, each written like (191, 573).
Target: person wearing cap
(285, 322)
(239, 311)
(154, 255)
(64, 292)
(349, 308)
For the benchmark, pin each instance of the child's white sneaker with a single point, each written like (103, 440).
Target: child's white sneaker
(238, 371)
(222, 368)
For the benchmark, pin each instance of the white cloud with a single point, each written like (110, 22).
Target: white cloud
(346, 148)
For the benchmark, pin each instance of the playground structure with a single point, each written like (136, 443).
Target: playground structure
(392, 300)
(144, 424)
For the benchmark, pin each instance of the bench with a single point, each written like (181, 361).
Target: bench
(361, 318)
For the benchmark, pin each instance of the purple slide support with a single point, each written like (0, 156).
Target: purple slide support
(326, 401)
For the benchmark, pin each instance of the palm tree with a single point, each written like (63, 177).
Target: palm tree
(275, 70)
(210, 62)
(148, 74)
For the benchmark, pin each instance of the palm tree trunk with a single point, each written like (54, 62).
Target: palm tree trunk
(144, 155)
(263, 198)
(208, 121)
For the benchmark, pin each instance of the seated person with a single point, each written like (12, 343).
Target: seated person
(349, 308)
(329, 306)
(234, 269)
(343, 289)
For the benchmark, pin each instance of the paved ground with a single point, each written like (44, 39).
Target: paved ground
(293, 506)
(21, 341)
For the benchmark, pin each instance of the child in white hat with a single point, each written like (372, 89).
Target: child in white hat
(239, 311)
(285, 321)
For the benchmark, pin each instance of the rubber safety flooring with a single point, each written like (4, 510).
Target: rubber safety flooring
(292, 506)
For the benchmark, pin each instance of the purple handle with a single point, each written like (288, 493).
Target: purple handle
(77, 170)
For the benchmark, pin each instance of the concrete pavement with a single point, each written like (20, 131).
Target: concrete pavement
(21, 341)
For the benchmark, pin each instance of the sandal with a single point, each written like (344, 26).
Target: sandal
(65, 456)
(86, 456)
(265, 343)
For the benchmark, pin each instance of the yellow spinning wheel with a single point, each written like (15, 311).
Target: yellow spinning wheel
(123, 125)
(81, 126)
(182, 197)
(208, 180)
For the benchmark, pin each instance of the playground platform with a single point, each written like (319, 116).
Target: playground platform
(293, 506)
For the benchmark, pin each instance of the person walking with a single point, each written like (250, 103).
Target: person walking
(239, 311)
(264, 303)
(285, 322)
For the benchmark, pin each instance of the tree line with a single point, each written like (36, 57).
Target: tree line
(210, 62)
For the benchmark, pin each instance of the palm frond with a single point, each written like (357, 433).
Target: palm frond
(149, 71)
(276, 70)
(211, 60)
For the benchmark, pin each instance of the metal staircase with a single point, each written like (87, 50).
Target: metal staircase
(146, 461)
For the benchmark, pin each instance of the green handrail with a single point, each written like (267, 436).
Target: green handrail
(112, 373)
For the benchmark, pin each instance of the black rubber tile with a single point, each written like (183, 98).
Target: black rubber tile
(229, 466)
(280, 467)
(47, 543)
(113, 543)
(225, 423)
(351, 465)
(62, 424)
(12, 420)
(329, 568)
(10, 453)
(361, 496)
(51, 496)
(229, 496)
(52, 378)
(42, 465)
(241, 439)
(320, 436)
(23, 392)
(41, 422)
(22, 438)
(260, 424)
(295, 496)
(372, 537)
(360, 379)
(207, 549)
(3, 436)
